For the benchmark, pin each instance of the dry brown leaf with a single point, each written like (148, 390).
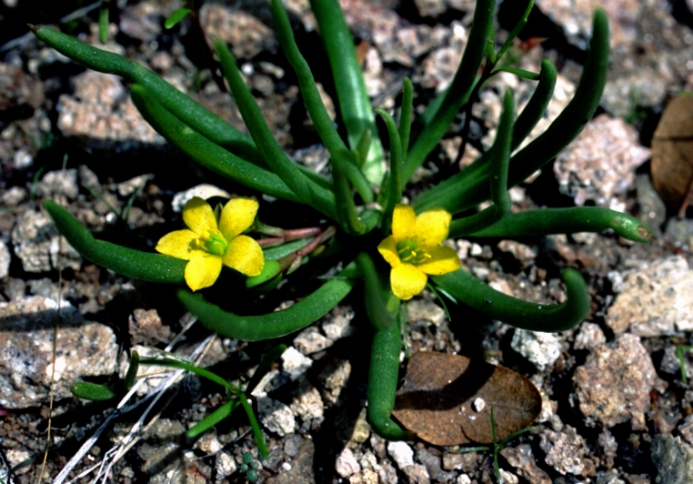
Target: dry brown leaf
(446, 400)
(672, 154)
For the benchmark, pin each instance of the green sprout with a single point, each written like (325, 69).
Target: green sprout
(361, 200)
(235, 394)
(497, 445)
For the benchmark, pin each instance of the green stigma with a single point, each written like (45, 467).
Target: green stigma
(409, 252)
(215, 244)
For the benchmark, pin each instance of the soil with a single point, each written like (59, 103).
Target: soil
(615, 408)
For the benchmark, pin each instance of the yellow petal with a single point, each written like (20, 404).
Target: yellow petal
(432, 227)
(178, 244)
(199, 217)
(442, 261)
(403, 222)
(407, 281)
(202, 271)
(388, 249)
(245, 255)
(238, 214)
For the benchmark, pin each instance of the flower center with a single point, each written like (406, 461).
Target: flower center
(215, 244)
(409, 252)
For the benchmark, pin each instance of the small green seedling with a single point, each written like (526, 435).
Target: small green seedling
(497, 446)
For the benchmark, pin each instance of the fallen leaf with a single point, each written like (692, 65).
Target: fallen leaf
(672, 154)
(446, 400)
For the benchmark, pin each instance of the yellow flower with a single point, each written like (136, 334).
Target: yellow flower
(208, 244)
(414, 249)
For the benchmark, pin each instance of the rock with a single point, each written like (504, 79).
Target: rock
(4, 260)
(589, 336)
(521, 252)
(680, 232)
(276, 416)
(307, 403)
(339, 324)
(101, 111)
(310, 341)
(673, 460)
(347, 464)
(59, 184)
(654, 299)
(417, 474)
(542, 349)
(401, 453)
(142, 21)
(583, 171)
(333, 379)
(85, 349)
(434, 8)
(614, 384)
(522, 459)
(38, 244)
(575, 18)
(564, 450)
(294, 363)
(20, 93)
(128, 187)
(422, 310)
(246, 34)
(145, 328)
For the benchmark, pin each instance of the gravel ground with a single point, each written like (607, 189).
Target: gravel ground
(614, 406)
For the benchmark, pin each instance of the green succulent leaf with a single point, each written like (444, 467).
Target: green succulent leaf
(550, 318)
(92, 391)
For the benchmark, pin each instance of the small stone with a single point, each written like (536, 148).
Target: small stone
(479, 404)
(4, 260)
(542, 349)
(26, 351)
(583, 171)
(146, 328)
(420, 310)
(13, 196)
(673, 460)
(346, 463)
(333, 379)
(401, 453)
(310, 341)
(101, 111)
(226, 464)
(276, 416)
(127, 188)
(655, 299)
(339, 325)
(564, 450)
(307, 404)
(614, 384)
(209, 443)
(247, 35)
(55, 184)
(589, 336)
(294, 363)
(362, 429)
(522, 459)
(417, 474)
(523, 253)
(39, 245)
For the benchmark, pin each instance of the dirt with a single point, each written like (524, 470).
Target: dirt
(615, 408)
